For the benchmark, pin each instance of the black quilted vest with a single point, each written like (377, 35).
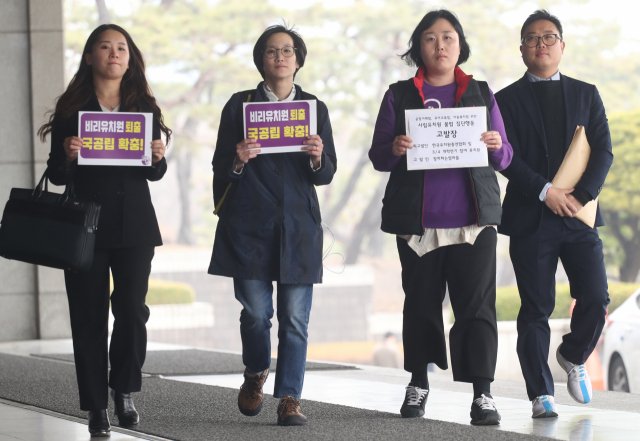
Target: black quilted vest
(403, 197)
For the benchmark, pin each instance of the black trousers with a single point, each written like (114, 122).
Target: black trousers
(535, 260)
(470, 273)
(88, 294)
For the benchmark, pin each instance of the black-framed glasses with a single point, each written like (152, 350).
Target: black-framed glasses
(286, 52)
(547, 39)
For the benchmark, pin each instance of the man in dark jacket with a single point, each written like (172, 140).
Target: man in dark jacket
(541, 112)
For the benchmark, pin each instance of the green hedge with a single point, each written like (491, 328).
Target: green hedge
(508, 299)
(162, 292)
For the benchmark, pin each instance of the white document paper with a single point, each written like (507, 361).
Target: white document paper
(446, 138)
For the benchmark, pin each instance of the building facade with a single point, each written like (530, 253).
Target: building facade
(33, 302)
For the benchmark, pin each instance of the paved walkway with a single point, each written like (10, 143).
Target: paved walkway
(611, 416)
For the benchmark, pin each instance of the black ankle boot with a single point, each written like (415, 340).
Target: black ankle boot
(99, 423)
(125, 410)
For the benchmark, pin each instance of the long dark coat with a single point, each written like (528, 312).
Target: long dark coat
(127, 217)
(270, 223)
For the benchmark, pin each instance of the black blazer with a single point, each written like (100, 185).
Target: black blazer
(127, 217)
(528, 172)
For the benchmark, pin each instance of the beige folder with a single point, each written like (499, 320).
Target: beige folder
(571, 170)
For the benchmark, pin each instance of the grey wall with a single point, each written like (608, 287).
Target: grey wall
(32, 299)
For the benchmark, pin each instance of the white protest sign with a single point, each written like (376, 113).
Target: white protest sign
(446, 138)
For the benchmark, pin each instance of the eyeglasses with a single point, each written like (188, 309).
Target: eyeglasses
(286, 51)
(547, 39)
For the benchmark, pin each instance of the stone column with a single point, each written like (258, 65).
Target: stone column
(32, 299)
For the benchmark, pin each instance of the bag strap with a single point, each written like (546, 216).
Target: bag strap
(68, 191)
(239, 115)
(43, 180)
(217, 209)
(43, 185)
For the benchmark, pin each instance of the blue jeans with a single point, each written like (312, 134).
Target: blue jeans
(294, 306)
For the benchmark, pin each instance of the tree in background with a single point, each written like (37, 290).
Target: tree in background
(620, 197)
(198, 53)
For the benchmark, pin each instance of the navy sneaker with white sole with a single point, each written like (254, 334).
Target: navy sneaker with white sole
(484, 412)
(414, 401)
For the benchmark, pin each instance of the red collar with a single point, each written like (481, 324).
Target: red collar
(462, 80)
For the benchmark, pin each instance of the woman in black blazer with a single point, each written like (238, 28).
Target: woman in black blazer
(110, 78)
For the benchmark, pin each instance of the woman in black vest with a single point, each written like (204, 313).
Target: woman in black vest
(110, 79)
(440, 218)
(270, 226)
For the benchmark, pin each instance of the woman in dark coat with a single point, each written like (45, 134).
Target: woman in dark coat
(110, 79)
(270, 227)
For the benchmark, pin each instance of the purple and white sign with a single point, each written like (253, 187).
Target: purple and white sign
(280, 126)
(115, 138)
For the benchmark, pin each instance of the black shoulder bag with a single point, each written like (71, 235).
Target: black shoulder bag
(49, 229)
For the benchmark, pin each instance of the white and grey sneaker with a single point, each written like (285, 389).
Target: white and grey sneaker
(414, 402)
(544, 407)
(484, 412)
(578, 383)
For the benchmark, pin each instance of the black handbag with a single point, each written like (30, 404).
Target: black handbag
(49, 229)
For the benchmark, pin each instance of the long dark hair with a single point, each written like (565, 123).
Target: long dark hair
(134, 89)
(413, 56)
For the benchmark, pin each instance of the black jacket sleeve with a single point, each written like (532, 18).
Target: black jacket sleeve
(225, 152)
(57, 171)
(329, 162)
(599, 139)
(156, 171)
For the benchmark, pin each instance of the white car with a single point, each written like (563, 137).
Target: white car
(621, 347)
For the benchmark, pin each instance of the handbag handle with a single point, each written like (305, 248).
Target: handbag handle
(44, 184)
(38, 188)
(68, 191)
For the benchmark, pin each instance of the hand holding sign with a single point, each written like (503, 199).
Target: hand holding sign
(72, 146)
(401, 144)
(245, 150)
(314, 149)
(158, 149)
(493, 140)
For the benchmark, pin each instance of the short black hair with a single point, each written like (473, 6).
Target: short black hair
(261, 45)
(413, 57)
(541, 14)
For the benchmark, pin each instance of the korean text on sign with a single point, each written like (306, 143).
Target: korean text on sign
(446, 138)
(280, 126)
(115, 138)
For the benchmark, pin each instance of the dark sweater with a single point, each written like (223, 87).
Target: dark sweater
(551, 103)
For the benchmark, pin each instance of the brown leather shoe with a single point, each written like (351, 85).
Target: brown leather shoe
(250, 396)
(289, 413)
